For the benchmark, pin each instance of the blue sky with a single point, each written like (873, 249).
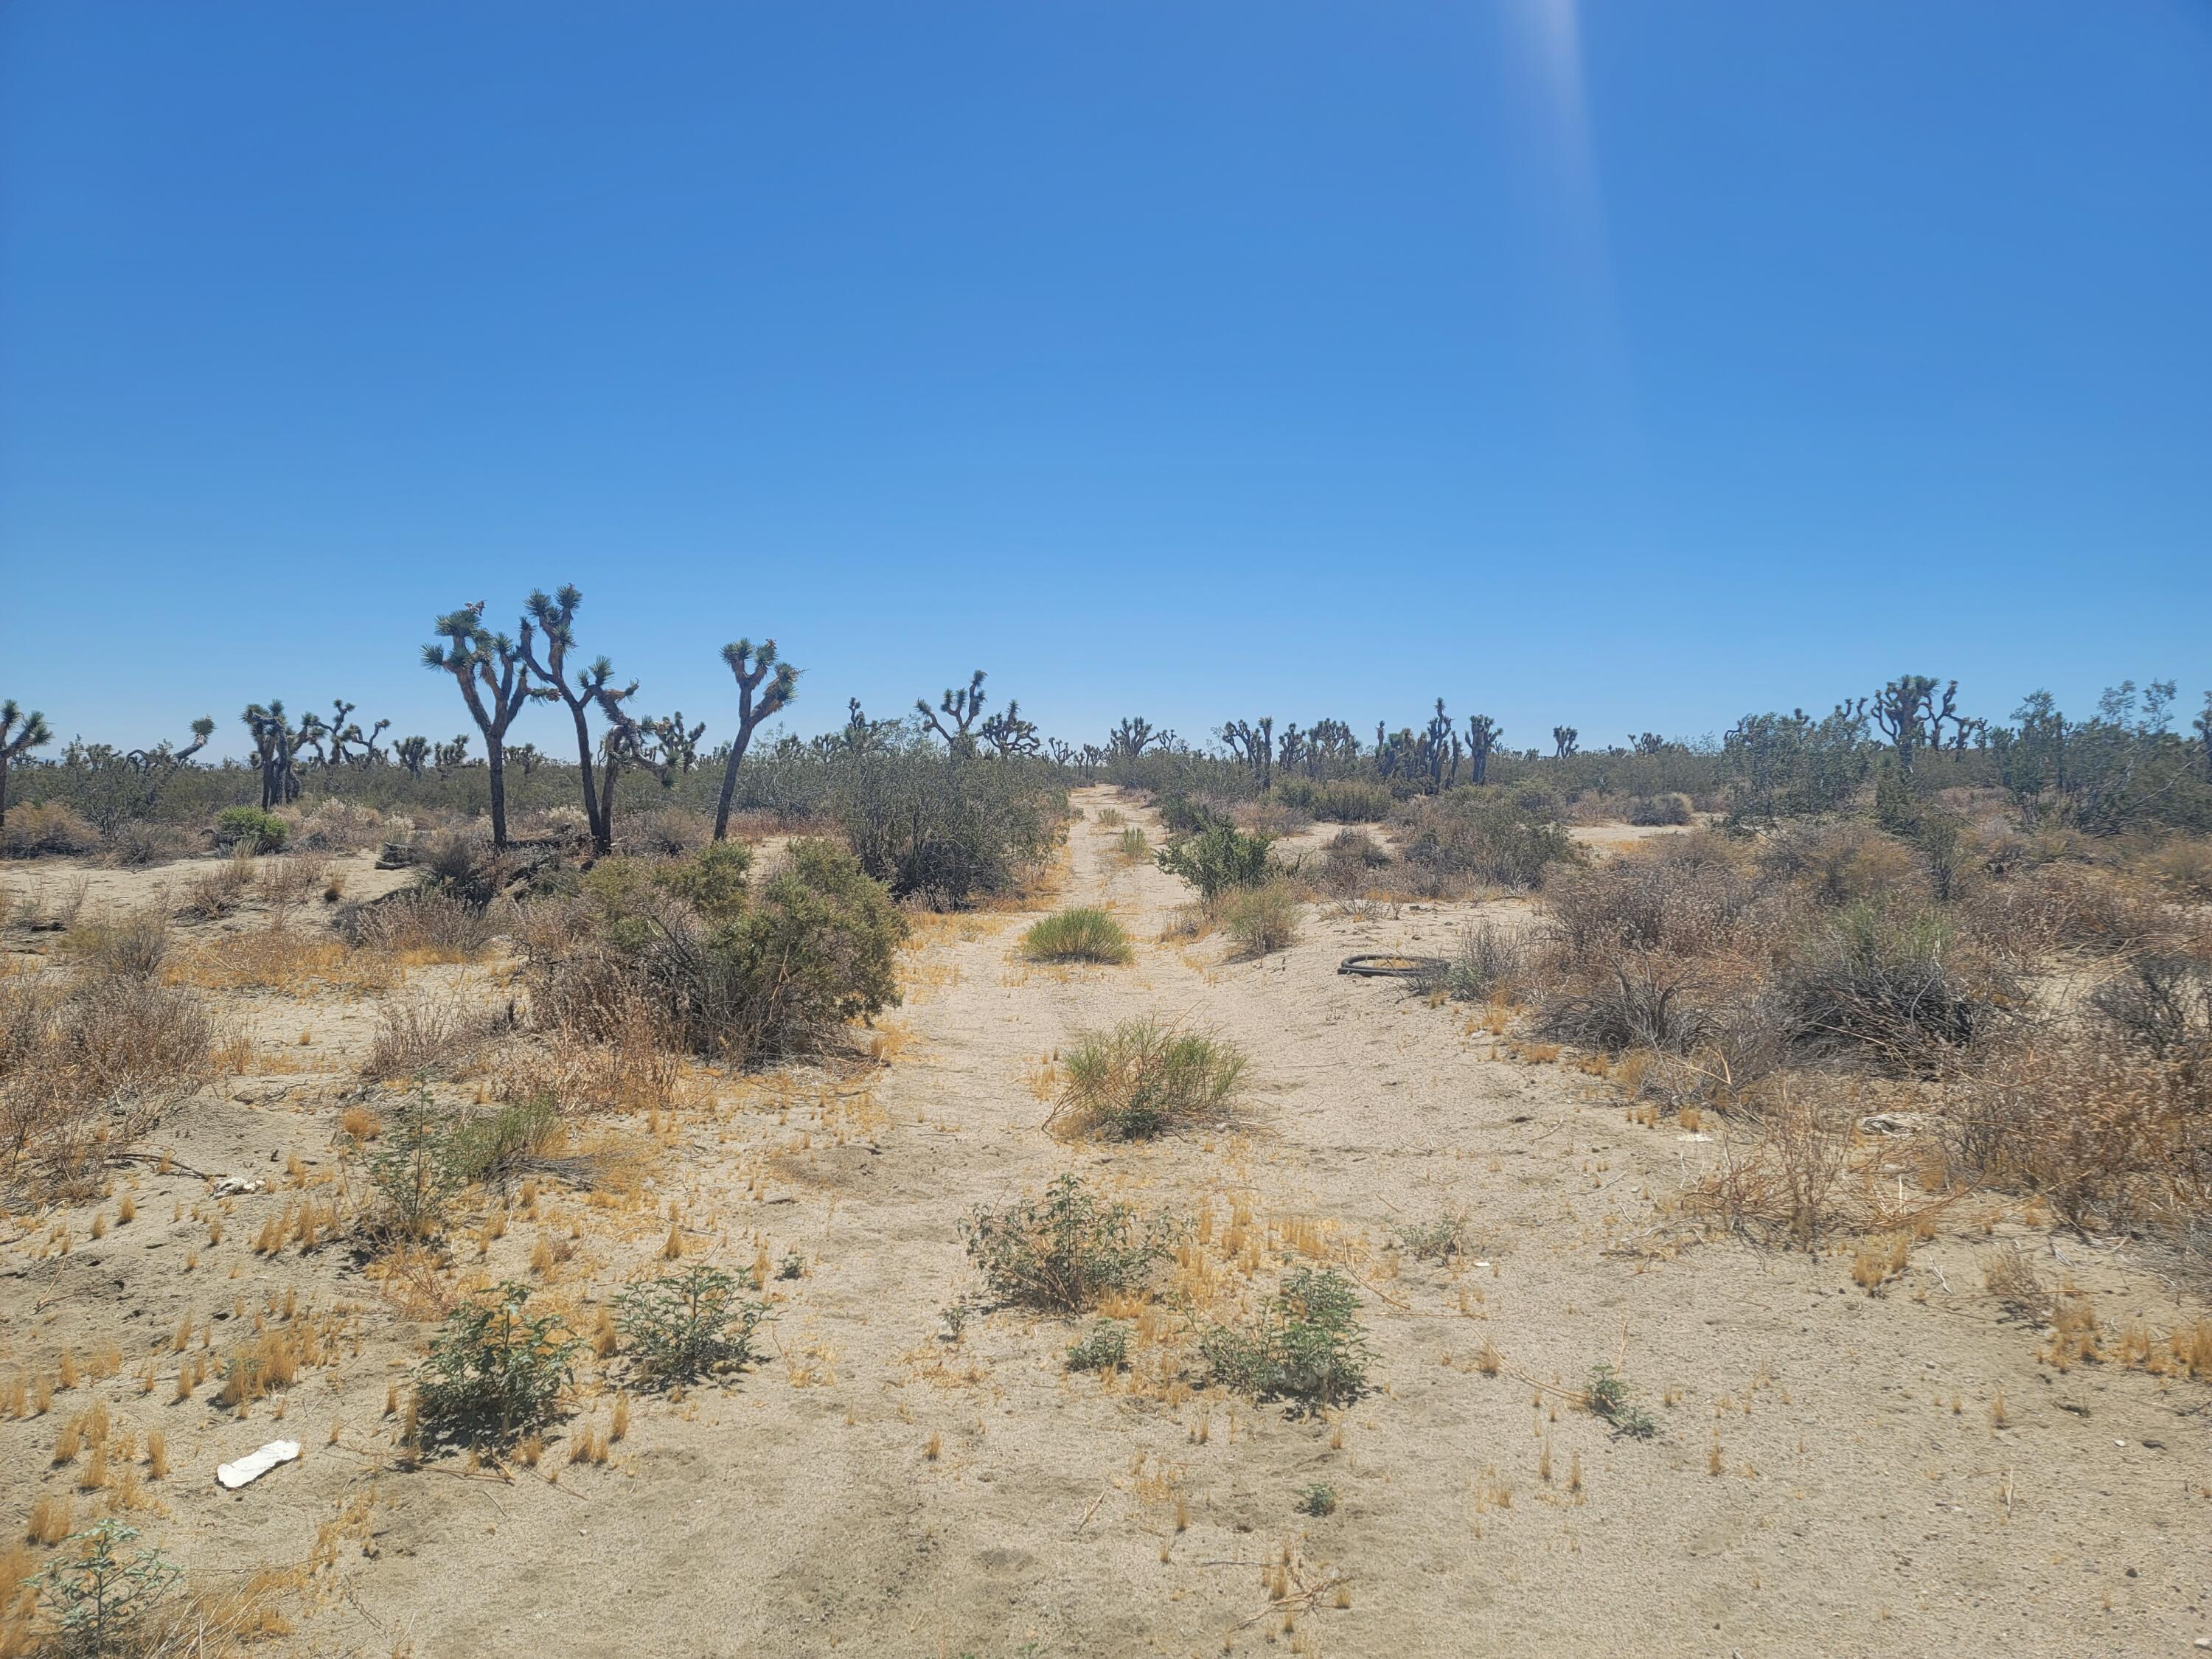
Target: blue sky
(1629, 365)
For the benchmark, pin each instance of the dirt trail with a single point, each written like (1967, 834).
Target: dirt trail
(874, 1489)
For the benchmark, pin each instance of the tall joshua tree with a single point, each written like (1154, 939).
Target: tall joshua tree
(756, 701)
(1565, 741)
(276, 743)
(493, 674)
(1483, 734)
(556, 617)
(960, 706)
(20, 733)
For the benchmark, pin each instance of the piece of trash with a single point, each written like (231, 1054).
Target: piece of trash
(256, 1464)
(1694, 1134)
(232, 1186)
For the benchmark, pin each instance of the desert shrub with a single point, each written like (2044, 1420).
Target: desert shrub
(1671, 808)
(733, 967)
(1064, 1251)
(86, 1069)
(1144, 1078)
(1218, 857)
(1109, 816)
(1106, 1349)
(413, 1175)
(1307, 1347)
(1261, 919)
(1488, 960)
(495, 1369)
(1077, 935)
(1336, 800)
(1348, 862)
(1890, 987)
(1317, 1499)
(665, 832)
(47, 829)
(436, 1034)
(137, 841)
(1644, 1002)
(1501, 837)
(218, 888)
(945, 828)
(430, 922)
(1437, 1239)
(285, 882)
(1672, 901)
(334, 826)
(99, 1601)
(131, 948)
(1181, 815)
(495, 1146)
(2183, 866)
(1133, 846)
(251, 827)
(1838, 864)
(1606, 1395)
(463, 868)
(2162, 1004)
(682, 1326)
(2065, 906)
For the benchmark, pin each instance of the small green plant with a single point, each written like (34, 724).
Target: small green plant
(791, 1266)
(1487, 960)
(1317, 1499)
(495, 1369)
(1436, 1239)
(1133, 846)
(1077, 935)
(955, 1315)
(494, 1146)
(1217, 858)
(1261, 919)
(251, 827)
(1144, 1077)
(1106, 1349)
(682, 1326)
(413, 1175)
(1109, 817)
(1063, 1251)
(1308, 1348)
(1606, 1394)
(98, 1598)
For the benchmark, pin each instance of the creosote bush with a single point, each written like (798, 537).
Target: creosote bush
(1308, 1346)
(495, 1369)
(1064, 1251)
(1106, 1349)
(1492, 837)
(251, 827)
(681, 1326)
(1217, 858)
(1083, 934)
(1144, 1078)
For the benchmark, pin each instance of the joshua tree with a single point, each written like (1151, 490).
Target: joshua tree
(1909, 715)
(413, 753)
(1329, 742)
(1564, 741)
(757, 701)
(2204, 725)
(1009, 733)
(680, 743)
(1440, 744)
(556, 617)
(485, 665)
(20, 733)
(1255, 745)
(451, 756)
(629, 741)
(1132, 737)
(961, 708)
(162, 756)
(275, 744)
(1483, 735)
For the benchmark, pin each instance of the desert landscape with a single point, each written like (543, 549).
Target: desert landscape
(1686, 1229)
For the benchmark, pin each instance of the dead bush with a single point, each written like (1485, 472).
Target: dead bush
(1643, 1002)
(220, 888)
(129, 949)
(429, 1035)
(1790, 1181)
(1894, 990)
(1682, 902)
(2162, 1005)
(88, 1068)
(1839, 864)
(334, 826)
(48, 829)
(425, 924)
(138, 841)
(284, 882)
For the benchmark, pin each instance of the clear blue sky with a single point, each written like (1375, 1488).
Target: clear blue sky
(1628, 365)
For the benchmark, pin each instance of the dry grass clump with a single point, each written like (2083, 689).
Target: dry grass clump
(1083, 934)
(1144, 1078)
(439, 1034)
(1260, 919)
(131, 949)
(281, 959)
(423, 924)
(290, 880)
(334, 826)
(1132, 846)
(1487, 964)
(87, 1068)
(1348, 864)
(47, 830)
(1898, 989)
(219, 888)
(1793, 1181)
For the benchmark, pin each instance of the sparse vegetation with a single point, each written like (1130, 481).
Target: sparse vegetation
(1307, 1347)
(680, 1327)
(1106, 1349)
(495, 1369)
(1064, 1251)
(1261, 920)
(1144, 1078)
(1082, 934)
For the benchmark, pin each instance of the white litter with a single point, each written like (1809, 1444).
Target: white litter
(256, 1464)
(232, 1186)
(1695, 1135)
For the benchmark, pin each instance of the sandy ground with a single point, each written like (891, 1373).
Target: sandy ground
(1830, 1475)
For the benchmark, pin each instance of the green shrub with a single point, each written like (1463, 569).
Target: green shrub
(1888, 986)
(1606, 1396)
(250, 827)
(494, 1369)
(1317, 1499)
(1106, 1349)
(1133, 846)
(1506, 838)
(1218, 857)
(97, 1601)
(1308, 1346)
(944, 827)
(736, 969)
(1077, 935)
(1488, 959)
(413, 1174)
(682, 1326)
(1339, 801)
(1061, 1252)
(495, 1145)
(1144, 1077)
(1261, 919)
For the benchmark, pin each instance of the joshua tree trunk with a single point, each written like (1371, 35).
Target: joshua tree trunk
(495, 754)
